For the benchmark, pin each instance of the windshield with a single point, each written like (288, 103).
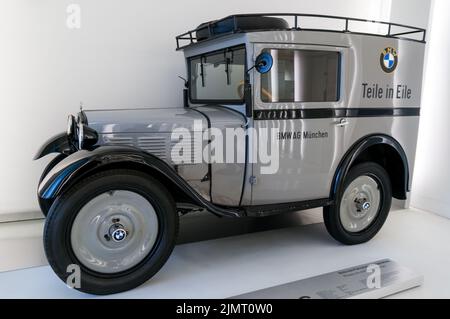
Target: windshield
(218, 76)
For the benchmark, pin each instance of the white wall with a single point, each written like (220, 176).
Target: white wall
(123, 56)
(431, 185)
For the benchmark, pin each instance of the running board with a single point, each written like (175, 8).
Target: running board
(274, 209)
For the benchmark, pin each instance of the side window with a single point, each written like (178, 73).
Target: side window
(301, 76)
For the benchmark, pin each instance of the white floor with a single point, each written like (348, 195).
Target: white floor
(229, 266)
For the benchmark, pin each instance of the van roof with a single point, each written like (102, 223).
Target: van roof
(244, 23)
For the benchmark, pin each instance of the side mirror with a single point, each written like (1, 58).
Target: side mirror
(264, 62)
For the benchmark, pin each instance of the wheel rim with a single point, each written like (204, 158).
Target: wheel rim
(114, 231)
(360, 204)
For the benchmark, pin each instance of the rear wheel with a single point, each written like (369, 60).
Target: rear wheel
(362, 206)
(119, 227)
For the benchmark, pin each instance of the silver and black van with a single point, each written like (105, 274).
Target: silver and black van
(281, 112)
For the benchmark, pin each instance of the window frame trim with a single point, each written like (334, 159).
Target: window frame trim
(216, 101)
(339, 77)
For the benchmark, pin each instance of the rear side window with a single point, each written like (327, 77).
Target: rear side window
(301, 76)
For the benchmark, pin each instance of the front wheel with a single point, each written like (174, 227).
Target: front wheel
(361, 208)
(117, 227)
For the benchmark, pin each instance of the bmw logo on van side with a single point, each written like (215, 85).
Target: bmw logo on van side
(389, 60)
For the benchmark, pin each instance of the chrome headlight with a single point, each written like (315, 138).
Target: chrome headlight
(79, 134)
(80, 131)
(70, 125)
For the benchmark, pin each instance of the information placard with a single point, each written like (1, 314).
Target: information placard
(372, 280)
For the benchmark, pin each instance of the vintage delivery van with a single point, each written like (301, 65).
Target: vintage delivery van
(279, 115)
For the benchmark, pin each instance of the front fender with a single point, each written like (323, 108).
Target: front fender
(84, 163)
(57, 144)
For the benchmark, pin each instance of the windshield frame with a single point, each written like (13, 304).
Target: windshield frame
(217, 101)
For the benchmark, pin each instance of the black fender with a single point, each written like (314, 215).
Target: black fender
(357, 149)
(57, 144)
(44, 205)
(84, 163)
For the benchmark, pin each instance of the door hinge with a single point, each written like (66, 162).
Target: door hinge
(253, 180)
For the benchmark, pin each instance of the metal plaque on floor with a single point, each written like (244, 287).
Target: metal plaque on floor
(369, 281)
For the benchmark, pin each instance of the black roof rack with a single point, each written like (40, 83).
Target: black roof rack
(392, 30)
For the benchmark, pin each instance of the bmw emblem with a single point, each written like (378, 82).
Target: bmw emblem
(389, 60)
(119, 234)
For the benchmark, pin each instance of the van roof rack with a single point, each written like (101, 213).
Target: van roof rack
(231, 24)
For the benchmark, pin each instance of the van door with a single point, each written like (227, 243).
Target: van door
(226, 177)
(216, 81)
(296, 103)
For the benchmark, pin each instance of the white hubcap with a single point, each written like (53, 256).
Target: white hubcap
(360, 204)
(114, 231)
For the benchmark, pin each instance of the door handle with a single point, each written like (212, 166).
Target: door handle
(247, 122)
(342, 123)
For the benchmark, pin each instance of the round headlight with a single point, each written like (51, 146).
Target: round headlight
(86, 136)
(70, 125)
(80, 135)
(82, 118)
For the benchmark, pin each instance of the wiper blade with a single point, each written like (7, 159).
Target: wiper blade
(202, 70)
(227, 70)
(228, 61)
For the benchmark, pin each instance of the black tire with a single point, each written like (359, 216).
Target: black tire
(43, 204)
(57, 242)
(331, 214)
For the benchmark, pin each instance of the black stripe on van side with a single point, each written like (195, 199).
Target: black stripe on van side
(293, 114)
